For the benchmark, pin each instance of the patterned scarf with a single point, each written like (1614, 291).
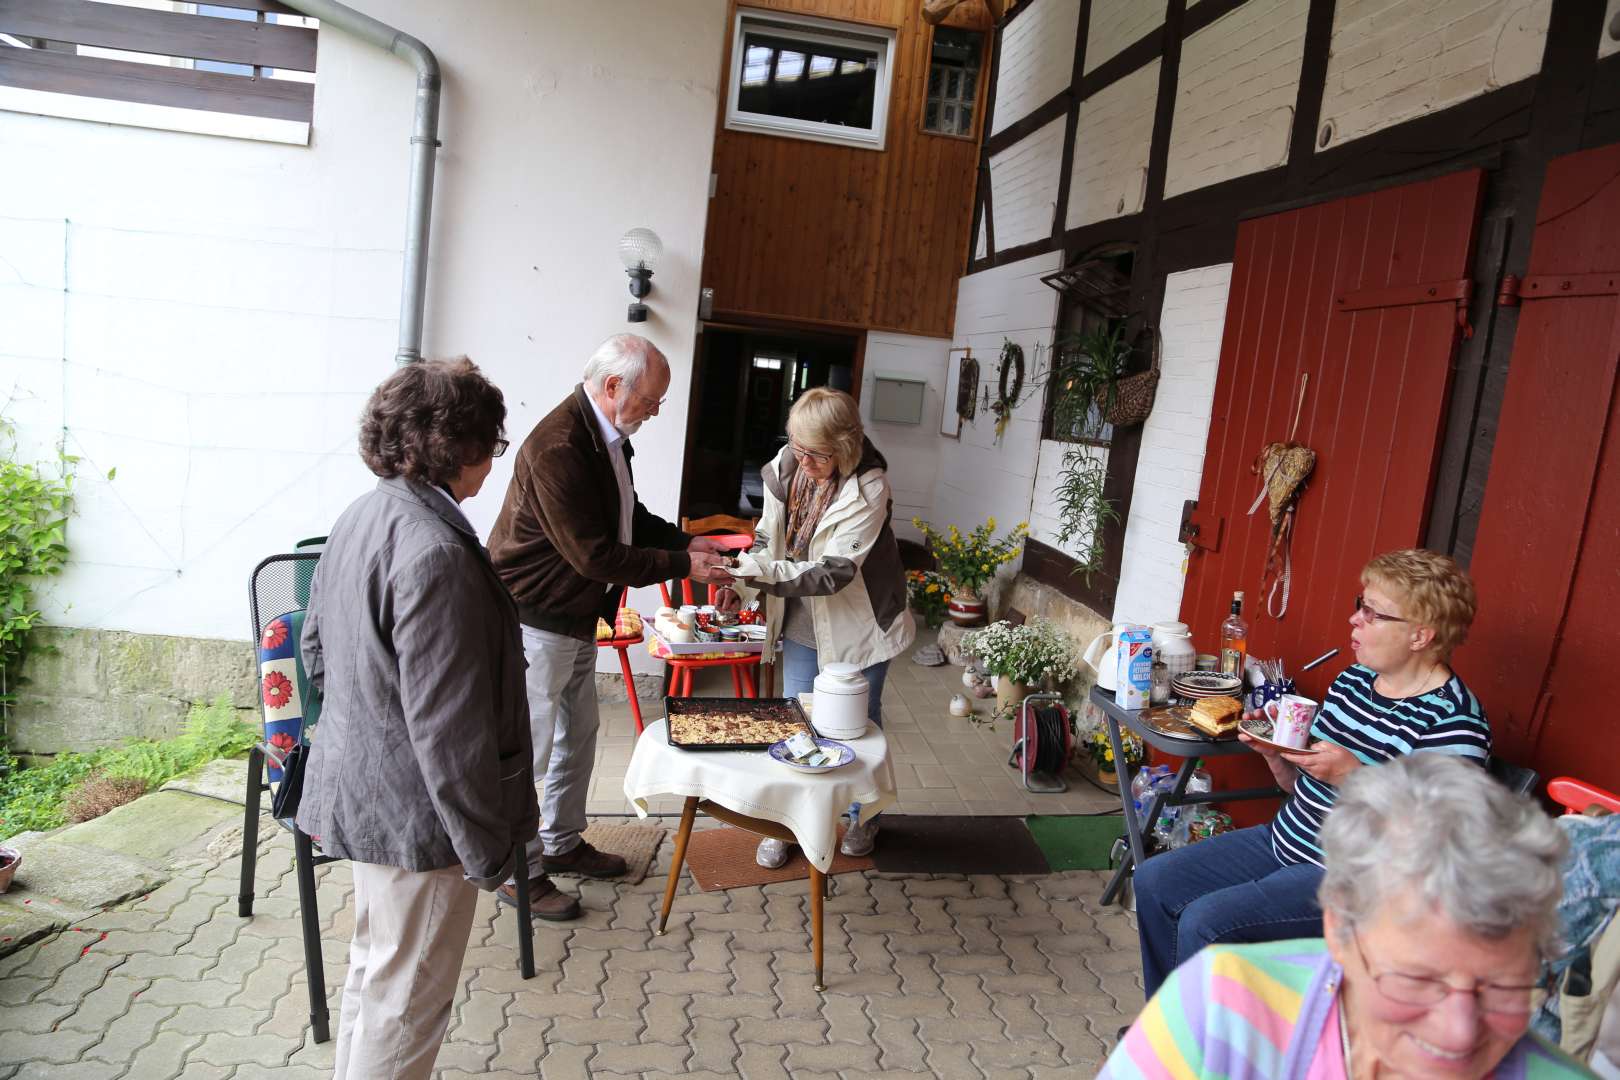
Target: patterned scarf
(807, 500)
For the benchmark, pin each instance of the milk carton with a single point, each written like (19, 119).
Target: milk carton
(1134, 682)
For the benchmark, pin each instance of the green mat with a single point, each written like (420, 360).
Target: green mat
(1074, 841)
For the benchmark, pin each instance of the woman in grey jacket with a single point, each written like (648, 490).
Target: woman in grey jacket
(420, 773)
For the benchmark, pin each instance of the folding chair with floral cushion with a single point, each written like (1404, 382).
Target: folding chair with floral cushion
(277, 594)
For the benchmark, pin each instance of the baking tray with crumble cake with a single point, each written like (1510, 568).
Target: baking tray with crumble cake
(706, 723)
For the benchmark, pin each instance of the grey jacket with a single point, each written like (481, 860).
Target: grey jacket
(422, 756)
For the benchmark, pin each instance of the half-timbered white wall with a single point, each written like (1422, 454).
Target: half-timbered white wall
(1609, 44)
(1395, 62)
(1116, 24)
(1037, 59)
(1113, 136)
(1024, 186)
(1235, 93)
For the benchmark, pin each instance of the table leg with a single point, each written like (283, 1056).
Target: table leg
(1135, 851)
(682, 835)
(818, 893)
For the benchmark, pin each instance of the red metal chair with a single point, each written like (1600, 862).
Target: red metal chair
(1576, 795)
(622, 647)
(744, 666)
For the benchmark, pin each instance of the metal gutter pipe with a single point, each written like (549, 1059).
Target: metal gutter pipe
(424, 152)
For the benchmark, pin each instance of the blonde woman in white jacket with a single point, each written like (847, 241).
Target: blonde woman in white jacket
(826, 561)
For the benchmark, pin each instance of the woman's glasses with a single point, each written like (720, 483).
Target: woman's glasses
(500, 447)
(1367, 612)
(1427, 992)
(813, 456)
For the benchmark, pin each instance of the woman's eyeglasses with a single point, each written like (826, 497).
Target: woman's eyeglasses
(1427, 992)
(1367, 612)
(500, 447)
(812, 456)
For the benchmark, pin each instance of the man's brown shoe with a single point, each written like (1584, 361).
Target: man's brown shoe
(546, 901)
(585, 861)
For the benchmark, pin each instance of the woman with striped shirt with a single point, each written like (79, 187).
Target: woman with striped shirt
(1400, 697)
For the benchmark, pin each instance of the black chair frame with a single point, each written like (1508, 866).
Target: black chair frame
(305, 856)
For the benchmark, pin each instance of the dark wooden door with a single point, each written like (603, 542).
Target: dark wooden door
(1547, 558)
(1362, 295)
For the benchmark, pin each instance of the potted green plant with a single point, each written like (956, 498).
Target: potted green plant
(1082, 508)
(970, 560)
(1089, 366)
(1021, 657)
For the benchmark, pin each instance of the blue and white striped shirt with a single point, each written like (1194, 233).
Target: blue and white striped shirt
(1446, 720)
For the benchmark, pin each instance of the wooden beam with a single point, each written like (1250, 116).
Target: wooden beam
(161, 33)
(1127, 61)
(1060, 211)
(1302, 139)
(120, 80)
(1204, 12)
(1044, 114)
(269, 7)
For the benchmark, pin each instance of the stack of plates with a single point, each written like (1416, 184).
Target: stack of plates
(1193, 685)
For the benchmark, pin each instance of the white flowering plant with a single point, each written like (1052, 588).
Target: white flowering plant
(1027, 654)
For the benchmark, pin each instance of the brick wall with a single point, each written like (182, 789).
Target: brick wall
(1023, 186)
(1172, 454)
(1235, 94)
(1116, 24)
(1393, 63)
(1043, 518)
(1607, 45)
(1111, 144)
(1037, 59)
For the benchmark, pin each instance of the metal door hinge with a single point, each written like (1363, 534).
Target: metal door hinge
(1543, 286)
(1458, 292)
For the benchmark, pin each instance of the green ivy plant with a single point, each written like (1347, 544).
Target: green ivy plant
(34, 507)
(1088, 366)
(1083, 509)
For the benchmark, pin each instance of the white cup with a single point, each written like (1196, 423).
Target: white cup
(1291, 717)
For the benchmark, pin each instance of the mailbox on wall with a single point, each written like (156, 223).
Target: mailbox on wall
(898, 399)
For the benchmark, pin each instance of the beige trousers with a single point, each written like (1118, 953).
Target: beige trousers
(410, 935)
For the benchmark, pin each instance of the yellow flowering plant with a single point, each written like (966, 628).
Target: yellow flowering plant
(1097, 745)
(930, 594)
(971, 559)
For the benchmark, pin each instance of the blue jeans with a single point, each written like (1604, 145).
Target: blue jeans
(799, 670)
(1229, 888)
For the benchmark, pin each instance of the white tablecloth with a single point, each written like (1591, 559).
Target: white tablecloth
(750, 782)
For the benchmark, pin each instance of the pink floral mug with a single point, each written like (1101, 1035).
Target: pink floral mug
(1291, 717)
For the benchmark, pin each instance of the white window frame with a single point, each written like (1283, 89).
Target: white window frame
(813, 30)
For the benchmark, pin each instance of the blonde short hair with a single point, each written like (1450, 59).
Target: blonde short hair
(828, 420)
(1433, 590)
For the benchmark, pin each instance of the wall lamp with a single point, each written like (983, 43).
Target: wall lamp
(639, 250)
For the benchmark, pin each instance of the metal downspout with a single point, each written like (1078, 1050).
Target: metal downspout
(424, 152)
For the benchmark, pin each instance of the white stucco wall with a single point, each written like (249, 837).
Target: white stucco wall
(978, 476)
(912, 450)
(206, 315)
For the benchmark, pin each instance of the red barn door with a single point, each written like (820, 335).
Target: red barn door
(1547, 558)
(1362, 295)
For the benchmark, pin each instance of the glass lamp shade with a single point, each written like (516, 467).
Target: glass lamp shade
(640, 249)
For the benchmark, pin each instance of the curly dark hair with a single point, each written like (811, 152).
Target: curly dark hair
(428, 419)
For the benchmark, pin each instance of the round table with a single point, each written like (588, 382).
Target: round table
(748, 789)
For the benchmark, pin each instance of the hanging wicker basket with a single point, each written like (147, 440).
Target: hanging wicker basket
(1129, 401)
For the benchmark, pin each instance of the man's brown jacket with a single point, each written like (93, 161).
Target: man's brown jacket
(556, 541)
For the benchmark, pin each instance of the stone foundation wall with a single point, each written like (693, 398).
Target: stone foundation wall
(89, 688)
(92, 688)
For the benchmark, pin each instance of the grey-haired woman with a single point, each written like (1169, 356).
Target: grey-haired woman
(1439, 909)
(421, 773)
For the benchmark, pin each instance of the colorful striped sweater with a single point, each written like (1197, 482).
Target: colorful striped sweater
(1266, 1012)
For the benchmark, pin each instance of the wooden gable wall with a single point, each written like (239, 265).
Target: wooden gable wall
(814, 232)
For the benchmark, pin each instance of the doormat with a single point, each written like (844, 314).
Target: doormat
(724, 859)
(958, 844)
(1075, 841)
(637, 843)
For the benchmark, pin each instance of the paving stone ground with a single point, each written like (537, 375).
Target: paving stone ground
(1022, 978)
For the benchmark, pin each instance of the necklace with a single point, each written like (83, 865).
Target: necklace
(1344, 1039)
(1418, 688)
